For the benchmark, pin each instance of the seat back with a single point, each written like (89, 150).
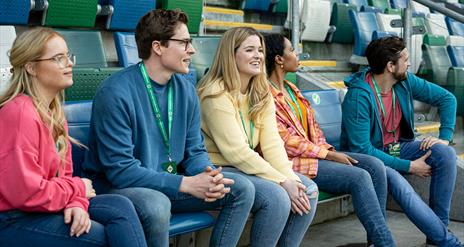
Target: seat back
(280, 7)
(420, 8)
(125, 14)
(454, 27)
(386, 24)
(78, 115)
(364, 24)
(14, 12)
(399, 4)
(87, 46)
(193, 9)
(456, 54)
(316, 19)
(61, 13)
(260, 5)
(357, 3)
(341, 20)
(206, 50)
(86, 82)
(436, 24)
(126, 48)
(328, 112)
(5, 76)
(436, 58)
(8, 36)
(381, 4)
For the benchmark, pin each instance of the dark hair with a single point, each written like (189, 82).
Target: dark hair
(157, 24)
(381, 51)
(274, 46)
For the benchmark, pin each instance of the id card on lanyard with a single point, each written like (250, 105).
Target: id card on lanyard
(392, 148)
(170, 166)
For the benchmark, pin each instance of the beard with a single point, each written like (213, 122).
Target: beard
(400, 76)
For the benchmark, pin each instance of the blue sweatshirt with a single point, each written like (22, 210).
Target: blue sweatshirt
(361, 126)
(126, 148)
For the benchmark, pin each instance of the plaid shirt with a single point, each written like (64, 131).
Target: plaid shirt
(304, 149)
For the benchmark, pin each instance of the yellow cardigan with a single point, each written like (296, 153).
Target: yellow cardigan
(227, 143)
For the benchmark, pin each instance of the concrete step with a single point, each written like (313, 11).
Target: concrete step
(221, 26)
(223, 14)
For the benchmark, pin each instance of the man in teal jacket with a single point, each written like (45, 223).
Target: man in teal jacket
(378, 120)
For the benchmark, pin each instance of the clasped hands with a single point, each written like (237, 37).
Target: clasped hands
(209, 185)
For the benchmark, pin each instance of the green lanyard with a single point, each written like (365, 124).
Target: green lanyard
(156, 109)
(379, 97)
(252, 130)
(294, 100)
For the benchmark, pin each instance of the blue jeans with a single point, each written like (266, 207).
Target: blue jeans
(367, 184)
(114, 223)
(273, 222)
(433, 220)
(154, 210)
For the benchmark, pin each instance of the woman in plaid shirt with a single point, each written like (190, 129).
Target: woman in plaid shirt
(360, 175)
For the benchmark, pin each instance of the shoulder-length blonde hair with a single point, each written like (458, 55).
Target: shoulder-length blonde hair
(28, 47)
(224, 71)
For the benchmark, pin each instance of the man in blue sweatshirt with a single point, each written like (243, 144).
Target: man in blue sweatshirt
(378, 120)
(145, 141)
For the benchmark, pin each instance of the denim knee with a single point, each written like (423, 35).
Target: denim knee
(242, 189)
(276, 199)
(441, 152)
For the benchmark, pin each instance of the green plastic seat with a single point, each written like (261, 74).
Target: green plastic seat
(86, 82)
(381, 4)
(437, 61)
(206, 47)
(70, 13)
(193, 9)
(340, 19)
(391, 11)
(325, 196)
(455, 84)
(280, 7)
(87, 46)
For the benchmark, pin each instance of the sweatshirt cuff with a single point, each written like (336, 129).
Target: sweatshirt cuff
(80, 185)
(79, 202)
(403, 165)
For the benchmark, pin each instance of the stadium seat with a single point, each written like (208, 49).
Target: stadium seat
(126, 48)
(5, 75)
(372, 9)
(420, 8)
(357, 3)
(364, 24)
(323, 102)
(455, 84)
(78, 114)
(341, 20)
(86, 82)
(399, 4)
(456, 54)
(87, 46)
(260, 5)
(206, 50)
(381, 4)
(193, 9)
(280, 7)
(436, 24)
(15, 12)
(455, 40)
(436, 60)
(454, 27)
(316, 20)
(59, 13)
(8, 37)
(386, 24)
(125, 14)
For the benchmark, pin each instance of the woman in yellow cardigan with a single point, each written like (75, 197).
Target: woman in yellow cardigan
(238, 123)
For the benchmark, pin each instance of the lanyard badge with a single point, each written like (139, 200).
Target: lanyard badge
(170, 166)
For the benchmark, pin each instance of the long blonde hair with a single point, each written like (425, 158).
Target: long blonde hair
(27, 47)
(224, 71)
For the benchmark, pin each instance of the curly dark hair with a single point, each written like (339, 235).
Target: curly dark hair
(157, 24)
(381, 51)
(275, 45)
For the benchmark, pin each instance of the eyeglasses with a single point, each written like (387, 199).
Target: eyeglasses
(61, 60)
(187, 42)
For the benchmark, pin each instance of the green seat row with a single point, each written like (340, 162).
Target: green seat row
(86, 82)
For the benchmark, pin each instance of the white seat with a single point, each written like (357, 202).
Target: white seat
(417, 7)
(455, 40)
(8, 36)
(5, 76)
(436, 24)
(316, 20)
(289, 11)
(415, 54)
(384, 21)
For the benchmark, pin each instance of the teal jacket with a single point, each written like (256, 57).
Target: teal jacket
(361, 126)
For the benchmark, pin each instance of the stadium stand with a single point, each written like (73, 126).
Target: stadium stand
(124, 14)
(364, 24)
(436, 59)
(341, 20)
(58, 13)
(15, 12)
(315, 20)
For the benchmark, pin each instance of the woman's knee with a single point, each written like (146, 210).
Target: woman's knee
(275, 198)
